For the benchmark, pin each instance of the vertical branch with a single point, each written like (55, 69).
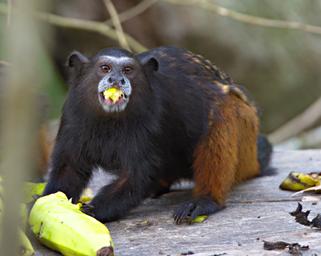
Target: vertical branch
(298, 124)
(135, 11)
(116, 22)
(18, 116)
(9, 11)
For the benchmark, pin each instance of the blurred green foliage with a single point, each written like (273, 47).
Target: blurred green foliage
(280, 67)
(53, 89)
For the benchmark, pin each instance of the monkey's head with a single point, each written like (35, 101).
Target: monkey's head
(109, 81)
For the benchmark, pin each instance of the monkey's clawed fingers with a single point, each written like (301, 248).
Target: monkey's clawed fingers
(88, 209)
(188, 211)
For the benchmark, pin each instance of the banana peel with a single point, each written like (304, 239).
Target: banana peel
(297, 181)
(26, 248)
(200, 219)
(61, 226)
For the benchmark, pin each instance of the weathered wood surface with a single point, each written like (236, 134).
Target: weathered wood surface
(256, 210)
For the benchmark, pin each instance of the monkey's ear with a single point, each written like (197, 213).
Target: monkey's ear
(76, 60)
(150, 64)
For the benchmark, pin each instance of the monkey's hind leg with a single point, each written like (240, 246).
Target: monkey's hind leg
(215, 164)
(226, 156)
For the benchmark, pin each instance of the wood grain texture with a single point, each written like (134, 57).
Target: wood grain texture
(256, 210)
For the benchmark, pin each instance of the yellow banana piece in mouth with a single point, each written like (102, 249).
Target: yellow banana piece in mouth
(113, 94)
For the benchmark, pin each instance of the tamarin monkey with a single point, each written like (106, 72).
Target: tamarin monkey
(155, 117)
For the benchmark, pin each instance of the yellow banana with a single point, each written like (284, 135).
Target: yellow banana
(297, 181)
(113, 94)
(200, 219)
(308, 179)
(61, 226)
(86, 196)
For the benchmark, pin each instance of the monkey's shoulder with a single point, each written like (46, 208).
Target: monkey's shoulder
(174, 61)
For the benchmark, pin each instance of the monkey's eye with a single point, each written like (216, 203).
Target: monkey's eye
(127, 70)
(105, 68)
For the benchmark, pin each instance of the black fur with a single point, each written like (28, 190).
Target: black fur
(188, 211)
(152, 139)
(264, 155)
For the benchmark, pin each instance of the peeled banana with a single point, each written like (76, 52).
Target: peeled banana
(297, 181)
(113, 94)
(61, 226)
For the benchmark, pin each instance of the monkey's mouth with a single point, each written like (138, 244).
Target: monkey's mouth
(113, 99)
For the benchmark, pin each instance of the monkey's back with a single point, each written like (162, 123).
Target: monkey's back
(194, 80)
(191, 86)
(197, 95)
(185, 63)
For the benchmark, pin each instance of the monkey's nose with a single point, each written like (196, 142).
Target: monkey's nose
(116, 81)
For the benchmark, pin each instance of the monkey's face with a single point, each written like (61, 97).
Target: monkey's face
(114, 88)
(110, 82)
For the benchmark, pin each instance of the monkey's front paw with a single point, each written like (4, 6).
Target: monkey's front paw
(188, 211)
(88, 209)
(101, 212)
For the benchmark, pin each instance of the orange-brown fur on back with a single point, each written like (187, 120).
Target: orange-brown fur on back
(228, 153)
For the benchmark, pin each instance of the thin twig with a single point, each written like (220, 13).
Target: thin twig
(117, 25)
(4, 63)
(309, 139)
(249, 19)
(135, 11)
(9, 2)
(298, 124)
(263, 201)
(86, 25)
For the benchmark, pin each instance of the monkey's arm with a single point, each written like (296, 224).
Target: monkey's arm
(69, 174)
(134, 184)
